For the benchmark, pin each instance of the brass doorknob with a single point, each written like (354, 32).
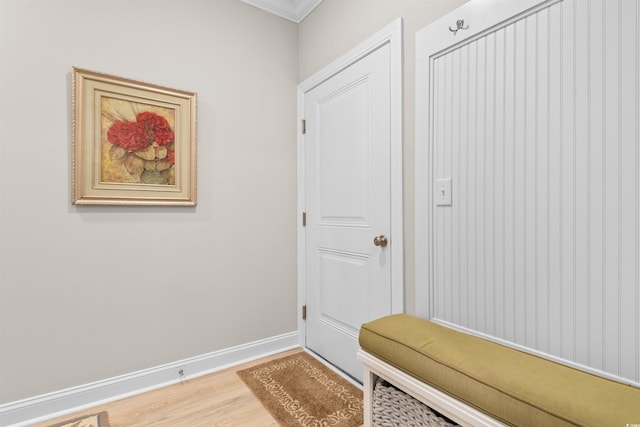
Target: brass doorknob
(380, 241)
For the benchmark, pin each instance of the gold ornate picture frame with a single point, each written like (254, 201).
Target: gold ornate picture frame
(133, 143)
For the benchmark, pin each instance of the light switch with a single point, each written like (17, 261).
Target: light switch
(443, 192)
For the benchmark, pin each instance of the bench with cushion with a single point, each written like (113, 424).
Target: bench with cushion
(474, 381)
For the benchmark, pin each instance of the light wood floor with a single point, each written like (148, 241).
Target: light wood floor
(218, 399)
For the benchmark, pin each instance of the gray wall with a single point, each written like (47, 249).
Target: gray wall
(88, 293)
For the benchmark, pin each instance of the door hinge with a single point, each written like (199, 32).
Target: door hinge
(304, 312)
(304, 219)
(303, 126)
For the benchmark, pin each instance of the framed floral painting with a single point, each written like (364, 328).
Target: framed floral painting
(133, 143)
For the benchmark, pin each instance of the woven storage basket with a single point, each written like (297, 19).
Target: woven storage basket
(393, 407)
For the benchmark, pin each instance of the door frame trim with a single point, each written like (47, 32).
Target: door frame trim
(392, 35)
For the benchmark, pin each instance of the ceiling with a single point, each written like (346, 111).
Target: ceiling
(293, 10)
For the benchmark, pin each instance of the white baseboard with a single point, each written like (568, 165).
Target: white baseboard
(41, 408)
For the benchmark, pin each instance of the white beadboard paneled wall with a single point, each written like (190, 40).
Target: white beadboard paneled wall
(537, 123)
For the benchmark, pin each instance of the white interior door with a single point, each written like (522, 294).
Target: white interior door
(349, 237)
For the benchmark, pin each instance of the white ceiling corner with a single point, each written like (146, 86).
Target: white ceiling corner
(293, 10)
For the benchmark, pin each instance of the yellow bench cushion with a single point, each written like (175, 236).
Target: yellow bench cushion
(510, 385)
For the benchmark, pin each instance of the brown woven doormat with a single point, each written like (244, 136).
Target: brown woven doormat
(298, 390)
(93, 420)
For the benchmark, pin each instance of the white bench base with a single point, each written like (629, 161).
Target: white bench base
(448, 406)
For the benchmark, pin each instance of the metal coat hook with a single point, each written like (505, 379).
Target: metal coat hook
(459, 26)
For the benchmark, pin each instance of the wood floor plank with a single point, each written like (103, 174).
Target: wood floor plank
(217, 399)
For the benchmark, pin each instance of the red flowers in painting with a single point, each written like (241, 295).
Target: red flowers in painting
(156, 127)
(148, 129)
(129, 135)
(143, 149)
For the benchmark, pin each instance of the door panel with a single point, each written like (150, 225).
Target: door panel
(348, 279)
(342, 156)
(343, 280)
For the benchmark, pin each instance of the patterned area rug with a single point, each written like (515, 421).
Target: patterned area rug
(93, 420)
(298, 390)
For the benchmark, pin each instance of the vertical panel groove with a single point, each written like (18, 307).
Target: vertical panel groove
(604, 182)
(589, 88)
(494, 157)
(561, 183)
(504, 186)
(494, 202)
(456, 173)
(450, 168)
(619, 284)
(467, 281)
(574, 183)
(525, 217)
(474, 293)
(549, 184)
(535, 191)
(637, 323)
(513, 195)
(484, 186)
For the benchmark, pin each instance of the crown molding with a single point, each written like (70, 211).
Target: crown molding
(293, 10)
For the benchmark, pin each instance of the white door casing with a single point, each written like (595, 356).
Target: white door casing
(350, 186)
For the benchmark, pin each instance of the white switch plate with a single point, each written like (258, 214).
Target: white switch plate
(443, 192)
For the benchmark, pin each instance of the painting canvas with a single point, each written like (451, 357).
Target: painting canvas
(133, 143)
(138, 143)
